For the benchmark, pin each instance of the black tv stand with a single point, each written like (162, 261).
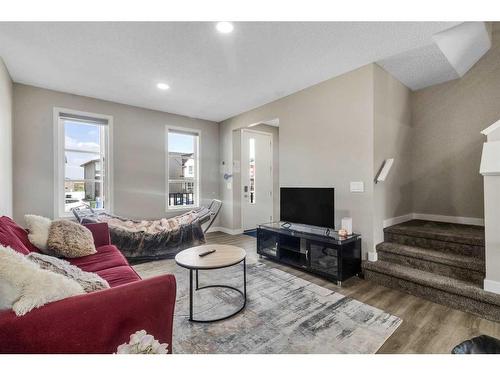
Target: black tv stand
(317, 250)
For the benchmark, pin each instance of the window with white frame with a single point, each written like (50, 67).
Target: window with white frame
(182, 148)
(83, 162)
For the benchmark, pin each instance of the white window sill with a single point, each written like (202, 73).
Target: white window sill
(70, 215)
(182, 208)
(65, 216)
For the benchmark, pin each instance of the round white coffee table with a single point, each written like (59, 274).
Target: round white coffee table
(224, 256)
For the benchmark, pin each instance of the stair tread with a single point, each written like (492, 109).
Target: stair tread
(444, 283)
(443, 257)
(449, 232)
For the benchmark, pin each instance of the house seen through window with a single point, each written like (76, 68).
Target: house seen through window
(83, 168)
(183, 180)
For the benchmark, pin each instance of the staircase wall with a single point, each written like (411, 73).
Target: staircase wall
(392, 138)
(447, 121)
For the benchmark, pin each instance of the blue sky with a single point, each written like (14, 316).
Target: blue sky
(80, 137)
(82, 133)
(85, 137)
(180, 143)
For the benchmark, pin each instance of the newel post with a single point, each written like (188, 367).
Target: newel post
(490, 169)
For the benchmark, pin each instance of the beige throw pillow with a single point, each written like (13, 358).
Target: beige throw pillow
(68, 239)
(89, 281)
(25, 286)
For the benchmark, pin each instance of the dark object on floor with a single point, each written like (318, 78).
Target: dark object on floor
(478, 345)
(149, 240)
(252, 233)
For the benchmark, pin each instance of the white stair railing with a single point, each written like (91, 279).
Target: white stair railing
(490, 169)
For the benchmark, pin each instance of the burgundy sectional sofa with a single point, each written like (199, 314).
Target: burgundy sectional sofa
(95, 322)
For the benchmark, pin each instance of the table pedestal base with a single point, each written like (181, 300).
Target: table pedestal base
(191, 295)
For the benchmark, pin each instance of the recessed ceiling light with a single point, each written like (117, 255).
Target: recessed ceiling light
(224, 27)
(163, 86)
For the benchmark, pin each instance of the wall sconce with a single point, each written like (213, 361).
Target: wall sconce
(384, 171)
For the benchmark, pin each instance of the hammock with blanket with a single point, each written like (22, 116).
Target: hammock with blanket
(141, 240)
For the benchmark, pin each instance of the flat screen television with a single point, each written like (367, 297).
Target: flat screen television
(313, 206)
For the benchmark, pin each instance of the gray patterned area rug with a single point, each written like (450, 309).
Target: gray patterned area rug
(284, 314)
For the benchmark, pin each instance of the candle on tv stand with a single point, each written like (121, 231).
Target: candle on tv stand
(347, 224)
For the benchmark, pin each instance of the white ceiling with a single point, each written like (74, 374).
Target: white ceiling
(464, 44)
(449, 55)
(420, 67)
(212, 76)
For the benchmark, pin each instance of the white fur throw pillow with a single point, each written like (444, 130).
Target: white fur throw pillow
(25, 286)
(38, 228)
(89, 281)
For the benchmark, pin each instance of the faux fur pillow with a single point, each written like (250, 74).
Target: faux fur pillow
(25, 286)
(38, 228)
(89, 281)
(68, 239)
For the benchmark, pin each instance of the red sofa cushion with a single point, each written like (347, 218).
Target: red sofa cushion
(14, 236)
(100, 232)
(119, 275)
(96, 322)
(107, 256)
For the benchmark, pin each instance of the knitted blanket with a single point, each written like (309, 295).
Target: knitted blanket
(151, 239)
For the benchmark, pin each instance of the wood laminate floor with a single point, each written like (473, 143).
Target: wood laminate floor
(427, 327)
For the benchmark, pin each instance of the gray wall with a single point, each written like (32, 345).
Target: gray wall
(326, 139)
(5, 141)
(333, 133)
(447, 144)
(392, 139)
(138, 153)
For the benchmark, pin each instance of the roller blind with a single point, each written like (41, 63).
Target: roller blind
(87, 119)
(185, 132)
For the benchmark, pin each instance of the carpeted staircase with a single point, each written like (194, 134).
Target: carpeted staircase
(441, 262)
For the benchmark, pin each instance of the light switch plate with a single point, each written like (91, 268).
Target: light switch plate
(357, 187)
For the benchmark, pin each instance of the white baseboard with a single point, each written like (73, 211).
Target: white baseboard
(226, 230)
(372, 256)
(391, 221)
(450, 219)
(397, 220)
(446, 219)
(492, 286)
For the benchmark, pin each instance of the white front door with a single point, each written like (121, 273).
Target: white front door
(256, 178)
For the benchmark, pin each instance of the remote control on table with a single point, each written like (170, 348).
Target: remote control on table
(206, 253)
